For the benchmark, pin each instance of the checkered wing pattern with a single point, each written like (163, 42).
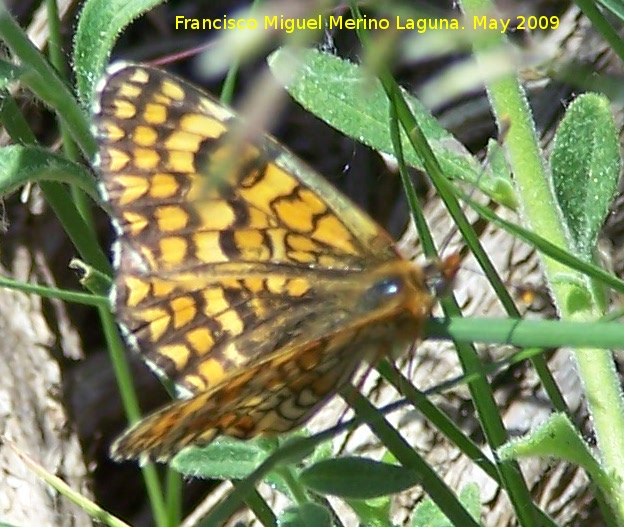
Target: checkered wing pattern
(241, 274)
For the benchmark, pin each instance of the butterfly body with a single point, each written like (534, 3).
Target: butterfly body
(240, 273)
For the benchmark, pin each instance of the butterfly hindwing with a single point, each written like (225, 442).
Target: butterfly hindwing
(271, 396)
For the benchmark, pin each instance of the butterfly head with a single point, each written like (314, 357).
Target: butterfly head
(401, 286)
(440, 274)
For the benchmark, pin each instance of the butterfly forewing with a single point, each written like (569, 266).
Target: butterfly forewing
(240, 273)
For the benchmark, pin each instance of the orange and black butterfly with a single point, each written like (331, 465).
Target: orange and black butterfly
(241, 274)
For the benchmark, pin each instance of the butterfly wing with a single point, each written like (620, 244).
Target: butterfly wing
(273, 394)
(240, 273)
(214, 241)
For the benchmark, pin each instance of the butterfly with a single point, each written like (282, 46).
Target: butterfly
(240, 273)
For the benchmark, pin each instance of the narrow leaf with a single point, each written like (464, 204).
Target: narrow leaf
(28, 164)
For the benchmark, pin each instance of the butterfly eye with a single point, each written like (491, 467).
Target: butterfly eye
(380, 292)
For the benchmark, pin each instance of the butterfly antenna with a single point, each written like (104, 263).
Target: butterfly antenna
(479, 224)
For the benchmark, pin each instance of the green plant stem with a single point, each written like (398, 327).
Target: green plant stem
(131, 407)
(595, 367)
(173, 497)
(295, 488)
(57, 59)
(261, 510)
(76, 297)
(373, 516)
